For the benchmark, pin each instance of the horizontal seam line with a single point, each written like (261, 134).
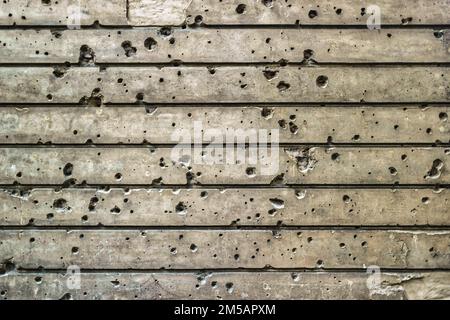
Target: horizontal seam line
(390, 186)
(95, 26)
(230, 270)
(418, 104)
(203, 145)
(177, 64)
(445, 64)
(392, 228)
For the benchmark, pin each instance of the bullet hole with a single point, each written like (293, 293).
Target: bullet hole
(211, 70)
(87, 56)
(75, 250)
(335, 156)
(19, 174)
(59, 72)
(407, 20)
(300, 194)
(283, 86)
(193, 248)
(322, 81)
(429, 131)
(364, 244)
(439, 34)
(32, 240)
(425, 200)
(150, 109)
(173, 250)
(95, 100)
(66, 296)
(198, 20)
(436, 170)
(38, 280)
(50, 216)
(312, 14)
(283, 62)
(165, 32)
(278, 180)
(68, 183)
(272, 212)
(236, 257)
(115, 210)
(309, 239)
(293, 128)
(270, 74)
(150, 43)
(308, 54)
(346, 199)
(404, 157)
(181, 208)
(93, 203)
(443, 116)
(251, 172)
(68, 169)
(204, 194)
(277, 203)
(46, 2)
(319, 263)
(84, 218)
(129, 49)
(338, 11)
(189, 178)
(7, 266)
(356, 137)
(49, 97)
(267, 3)
(393, 171)
(139, 96)
(118, 176)
(342, 245)
(61, 206)
(363, 11)
(240, 9)
(267, 113)
(229, 287)
(304, 158)
(282, 123)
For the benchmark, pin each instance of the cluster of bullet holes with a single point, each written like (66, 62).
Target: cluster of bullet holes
(293, 128)
(128, 48)
(95, 100)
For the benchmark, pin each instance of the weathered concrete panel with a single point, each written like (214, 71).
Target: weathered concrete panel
(225, 45)
(226, 84)
(155, 124)
(229, 286)
(298, 165)
(189, 249)
(178, 12)
(225, 207)
(304, 12)
(70, 13)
